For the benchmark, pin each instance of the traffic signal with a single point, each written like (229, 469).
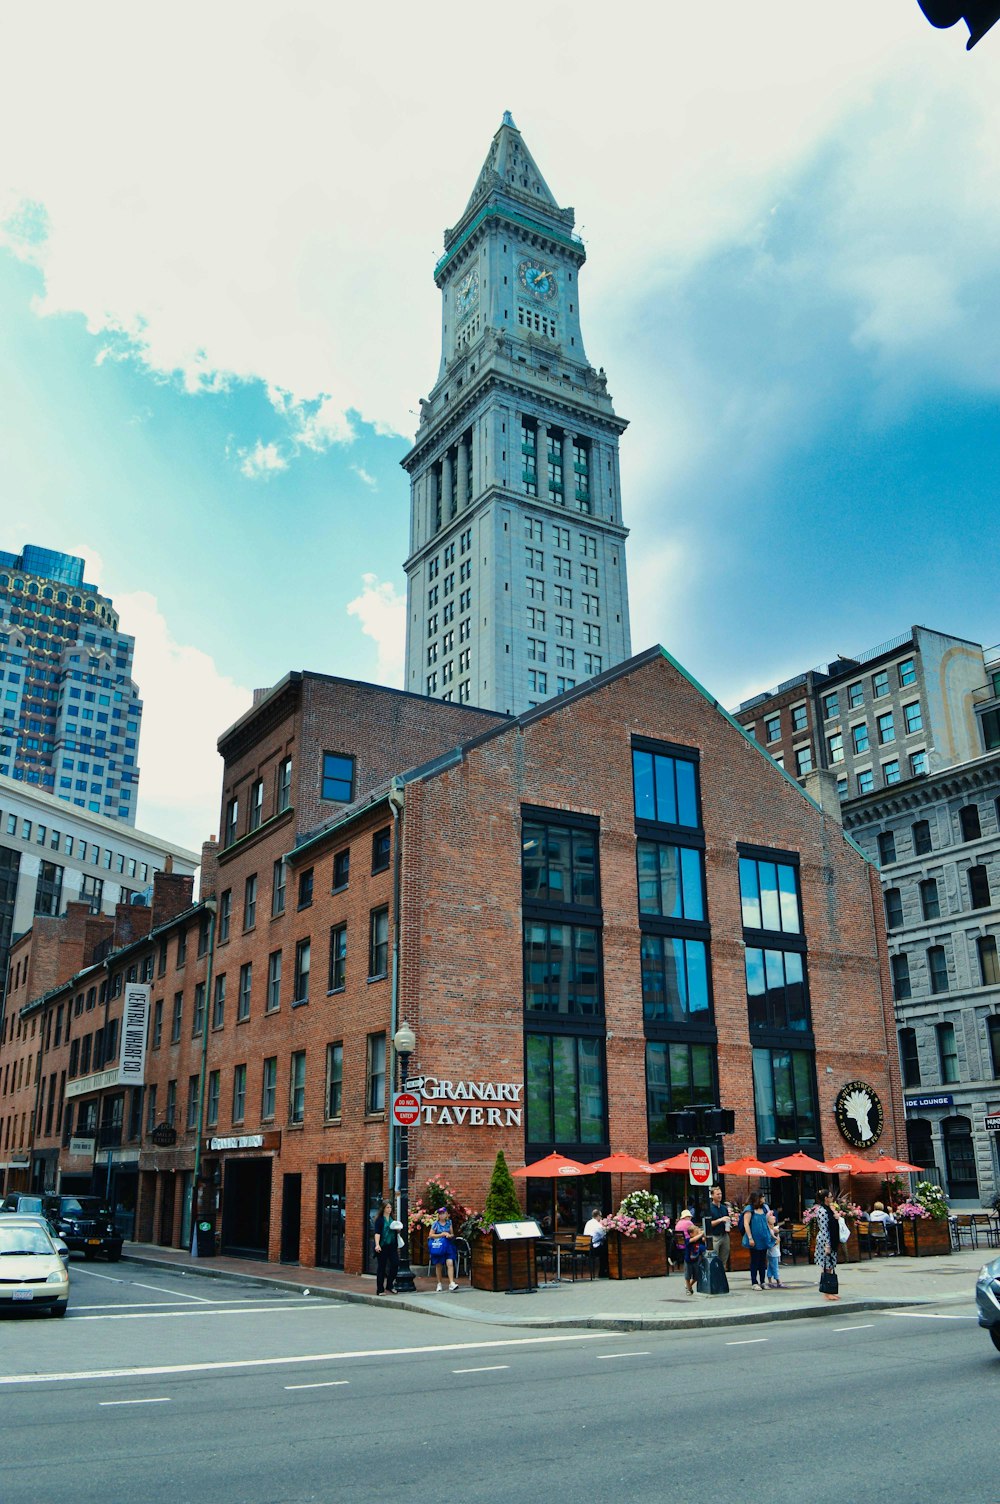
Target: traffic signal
(978, 15)
(719, 1120)
(696, 1123)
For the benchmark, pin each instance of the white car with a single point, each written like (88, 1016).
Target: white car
(33, 1277)
(988, 1300)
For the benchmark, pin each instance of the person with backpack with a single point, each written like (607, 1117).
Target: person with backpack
(757, 1236)
(694, 1249)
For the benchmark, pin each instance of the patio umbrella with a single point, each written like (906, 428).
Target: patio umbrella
(553, 1167)
(749, 1166)
(849, 1164)
(889, 1166)
(801, 1164)
(619, 1164)
(674, 1164)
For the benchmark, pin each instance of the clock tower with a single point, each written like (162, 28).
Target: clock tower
(516, 586)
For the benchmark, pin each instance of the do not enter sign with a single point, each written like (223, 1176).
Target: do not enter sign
(700, 1166)
(405, 1108)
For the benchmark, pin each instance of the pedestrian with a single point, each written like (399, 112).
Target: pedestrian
(694, 1248)
(827, 1224)
(758, 1238)
(718, 1221)
(386, 1251)
(441, 1247)
(678, 1247)
(774, 1254)
(595, 1229)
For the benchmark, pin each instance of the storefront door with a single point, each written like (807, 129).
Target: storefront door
(291, 1217)
(331, 1215)
(246, 1207)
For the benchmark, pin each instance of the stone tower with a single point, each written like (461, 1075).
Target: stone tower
(516, 585)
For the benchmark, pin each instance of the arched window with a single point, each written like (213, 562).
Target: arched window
(920, 1144)
(930, 903)
(979, 888)
(960, 1159)
(893, 908)
(968, 819)
(921, 837)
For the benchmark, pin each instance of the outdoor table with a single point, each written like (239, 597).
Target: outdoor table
(552, 1245)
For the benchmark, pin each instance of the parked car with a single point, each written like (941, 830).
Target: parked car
(32, 1274)
(44, 1222)
(31, 1204)
(86, 1225)
(988, 1300)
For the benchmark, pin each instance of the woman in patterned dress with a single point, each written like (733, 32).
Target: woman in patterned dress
(827, 1226)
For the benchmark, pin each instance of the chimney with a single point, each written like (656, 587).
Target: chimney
(260, 694)
(821, 785)
(172, 894)
(209, 868)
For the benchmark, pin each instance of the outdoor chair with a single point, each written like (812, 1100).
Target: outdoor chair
(799, 1241)
(964, 1229)
(463, 1257)
(986, 1222)
(578, 1256)
(878, 1238)
(864, 1233)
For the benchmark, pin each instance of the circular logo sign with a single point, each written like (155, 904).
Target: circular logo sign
(406, 1108)
(700, 1166)
(163, 1136)
(859, 1114)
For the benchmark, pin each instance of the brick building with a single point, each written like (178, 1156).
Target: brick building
(596, 913)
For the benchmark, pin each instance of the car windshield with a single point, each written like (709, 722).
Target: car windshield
(84, 1206)
(25, 1204)
(23, 1240)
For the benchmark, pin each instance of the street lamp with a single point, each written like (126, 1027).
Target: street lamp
(404, 1042)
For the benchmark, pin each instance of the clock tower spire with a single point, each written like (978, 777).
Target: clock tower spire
(516, 583)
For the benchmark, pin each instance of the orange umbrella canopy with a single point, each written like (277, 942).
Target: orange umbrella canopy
(751, 1166)
(889, 1166)
(799, 1161)
(676, 1162)
(619, 1164)
(849, 1164)
(551, 1166)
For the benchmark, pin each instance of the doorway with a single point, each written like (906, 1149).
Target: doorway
(960, 1159)
(291, 1217)
(373, 1205)
(167, 1209)
(331, 1215)
(246, 1208)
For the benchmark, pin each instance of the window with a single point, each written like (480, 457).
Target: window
(243, 1000)
(269, 1087)
(283, 788)
(300, 992)
(831, 706)
(219, 1002)
(912, 718)
(170, 1116)
(900, 976)
(921, 837)
(989, 966)
(800, 718)
(48, 891)
(866, 781)
(909, 1058)
(804, 760)
(212, 1098)
(566, 1094)
(979, 888)
(378, 943)
(880, 685)
(341, 869)
(769, 892)
(677, 1075)
(239, 1093)
(157, 1023)
(176, 1018)
(279, 877)
(776, 989)
(893, 908)
(558, 863)
(375, 1076)
(907, 672)
(772, 728)
(930, 903)
(671, 883)
(562, 969)
(886, 729)
(536, 650)
(993, 1025)
(835, 745)
(273, 1002)
(947, 1053)
(297, 1087)
(338, 777)
(968, 819)
(192, 1102)
(665, 789)
(225, 915)
(256, 804)
(855, 695)
(890, 772)
(305, 888)
(918, 764)
(198, 1017)
(784, 1092)
(564, 627)
(937, 966)
(334, 1080)
(232, 821)
(338, 957)
(381, 849)
(886, 847)
(674, 979)
(859, 736)
(250, 902)
(841, 788)
(538, 682)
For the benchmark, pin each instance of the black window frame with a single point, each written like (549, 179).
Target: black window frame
(381, 849)
(909, 1058)
(337, 980)
(330, 779)
(378, 950)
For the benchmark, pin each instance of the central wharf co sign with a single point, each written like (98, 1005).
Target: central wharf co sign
(471, 1103)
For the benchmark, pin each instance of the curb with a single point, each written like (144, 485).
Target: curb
(608, 1323)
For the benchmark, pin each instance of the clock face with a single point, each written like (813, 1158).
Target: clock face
(538, 279)
(467, 291)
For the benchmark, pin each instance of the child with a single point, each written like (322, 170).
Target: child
(774, 1255)
(694, 1248)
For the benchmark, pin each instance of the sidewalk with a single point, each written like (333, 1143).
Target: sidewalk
(622, 1305)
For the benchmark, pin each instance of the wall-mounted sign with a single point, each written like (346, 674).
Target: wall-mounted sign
(461, 1102)
(238, 1141)
(163, 1136)
(991, 1122)
(135, 1014)
(940, 1099)
(859, 1114)
(83, 1146)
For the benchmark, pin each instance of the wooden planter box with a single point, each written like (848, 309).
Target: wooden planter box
(418, 1247)
(636, 1258)
(491, 1270)
(924, 1237)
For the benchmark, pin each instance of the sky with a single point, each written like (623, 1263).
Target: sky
(218, 228)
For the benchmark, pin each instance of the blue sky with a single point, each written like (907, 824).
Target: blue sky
(218, 312)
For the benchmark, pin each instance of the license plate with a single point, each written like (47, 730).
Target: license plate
(95, 1241)
(24, 1295)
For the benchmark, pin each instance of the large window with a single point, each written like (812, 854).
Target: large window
(670, 881)
(297, 1088)
(674, 979)
(930, 902)
(239, 1093)
(566, 1099)
(562, 969)
(947, 1053)
(303, 952)
(909, 1058)
(989, 964)
(969, 823)
(979, 888)
(375, 1084)
(334, 1080)
(246, 984)
(921, 837)
(558, 863)
(269, 1087)
(785, 1097)
(338, 957)
(219, 1002)
(776, 989)
(937, 966)
(378, 943)
(273, 982)
(993, 1026)
(893, 908)
(677, 1075)
(769, 891)
(48, 891)
(338, 777)
(886, 847)
(900, 976)
(665, 788)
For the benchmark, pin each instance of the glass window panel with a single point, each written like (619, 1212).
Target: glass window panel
(697, 971)
(756, 1002)
(701, 1064)
(770, 907)
(558, 846)
(642, 774)
(666, 798)
(774, 973)
(788, 896)
(691, 883)
(750, 894)
(648, 859)
(564, 1095)
(805, 1101)
(533, 860)
(657, 1091)
(591, 1091)
(687, 802)
(584, 867)
(763, 1093)
(784, 1096)
(680, 1077)
(539, 1089)
(795, 992)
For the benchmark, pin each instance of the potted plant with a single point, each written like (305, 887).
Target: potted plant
(637, 1245)
(923, 1221)
(491, 1267)
(423, 1210)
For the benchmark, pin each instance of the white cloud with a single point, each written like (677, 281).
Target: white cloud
(364, 476)
(262, 461)
(382, 614)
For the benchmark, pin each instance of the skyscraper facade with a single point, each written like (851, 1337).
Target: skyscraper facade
(70, 711)
(516, 582)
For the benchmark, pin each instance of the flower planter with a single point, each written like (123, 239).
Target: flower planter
(503, 1266)
(636, 1258)
(418, 1247)
(924, 1237)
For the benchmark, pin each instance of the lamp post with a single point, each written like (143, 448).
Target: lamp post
(404, 1042)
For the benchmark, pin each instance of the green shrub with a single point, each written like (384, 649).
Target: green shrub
(502, 1203)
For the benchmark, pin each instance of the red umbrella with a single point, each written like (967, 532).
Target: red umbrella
(750, 1166)
(799, 1161)
(619, 1164)
(553, 1167)
(676, 1163)
(889, 1166)
(849, 1164)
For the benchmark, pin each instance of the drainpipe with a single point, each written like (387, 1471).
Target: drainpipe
(396, 805)
(212, 907)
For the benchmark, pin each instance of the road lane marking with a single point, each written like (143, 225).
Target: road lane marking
(110, 1404)
(602, 1356)
(220, 1365)
(324, 1384)
(863, 1327)
(746, 1341)
(490, 1368)
(151, 1305)
(930, 1316)
(180, 1295)
(158, 1315)
(114, 1279)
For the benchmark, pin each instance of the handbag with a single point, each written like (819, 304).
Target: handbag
(437, 1247)
(845, 1231)
(400, 1241)
(829, 1284)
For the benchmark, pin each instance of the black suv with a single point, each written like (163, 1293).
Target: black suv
(86, 1224)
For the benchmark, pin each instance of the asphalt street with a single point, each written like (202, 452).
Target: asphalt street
(161, 1386)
